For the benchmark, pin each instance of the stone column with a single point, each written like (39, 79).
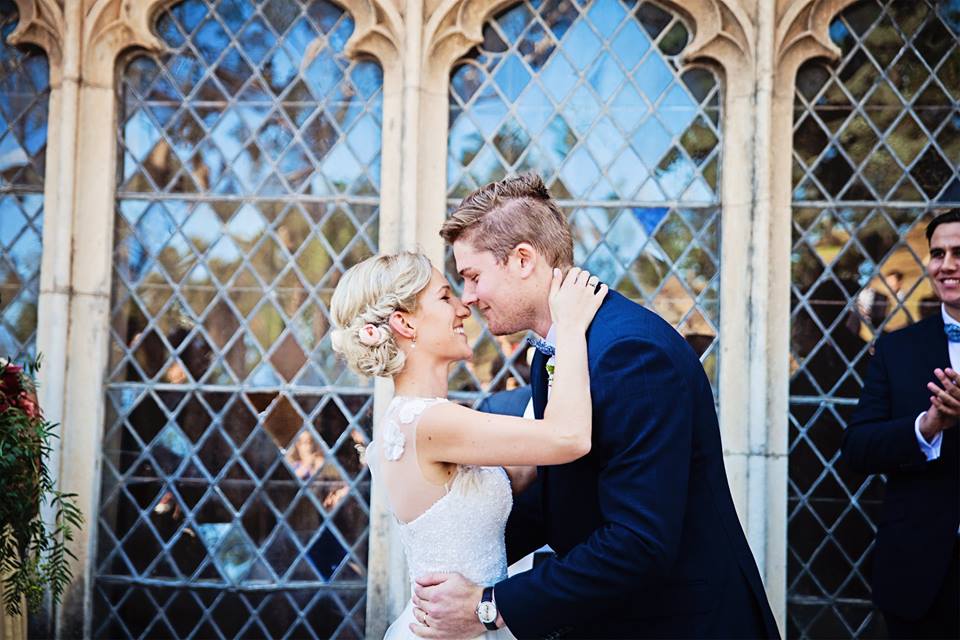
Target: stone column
(380, 32)
(794, 31)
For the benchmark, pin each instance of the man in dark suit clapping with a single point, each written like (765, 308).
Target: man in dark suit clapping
(905, 426)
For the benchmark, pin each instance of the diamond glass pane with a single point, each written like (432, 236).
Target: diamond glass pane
(24, 98)
(875, 156)
(594, 98)
(233, 500)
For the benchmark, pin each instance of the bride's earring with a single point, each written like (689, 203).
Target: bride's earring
(413, 342)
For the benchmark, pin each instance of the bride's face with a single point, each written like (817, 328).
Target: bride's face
(439, 321)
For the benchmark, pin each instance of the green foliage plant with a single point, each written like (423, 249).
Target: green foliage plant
(33, 558)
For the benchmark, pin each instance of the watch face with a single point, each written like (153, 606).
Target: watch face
(487, 612)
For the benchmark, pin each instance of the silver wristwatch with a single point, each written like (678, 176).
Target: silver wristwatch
(487, 609)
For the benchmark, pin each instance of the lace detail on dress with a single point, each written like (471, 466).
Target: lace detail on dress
(394, 440)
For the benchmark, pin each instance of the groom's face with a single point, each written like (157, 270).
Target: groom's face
(495, 289)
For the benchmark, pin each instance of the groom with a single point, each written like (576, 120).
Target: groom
(646, 537)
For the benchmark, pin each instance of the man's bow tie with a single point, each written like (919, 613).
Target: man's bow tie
(953, 332)
(545, 347)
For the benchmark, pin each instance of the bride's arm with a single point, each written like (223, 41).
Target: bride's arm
(452, 433)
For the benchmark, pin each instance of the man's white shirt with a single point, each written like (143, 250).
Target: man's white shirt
(932, 449)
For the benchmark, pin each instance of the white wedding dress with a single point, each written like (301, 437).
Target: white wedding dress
(454, 528)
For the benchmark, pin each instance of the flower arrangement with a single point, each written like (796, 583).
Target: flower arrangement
(32, 558)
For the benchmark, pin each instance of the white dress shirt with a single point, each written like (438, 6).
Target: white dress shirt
(932, 449)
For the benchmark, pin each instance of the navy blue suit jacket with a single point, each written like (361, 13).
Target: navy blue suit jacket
(918, 524)
(507, 403)
(647, 539)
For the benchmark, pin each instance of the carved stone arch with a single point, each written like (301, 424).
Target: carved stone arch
(113, 26)
(41, 23)
(723, 31)
(453, 29)
(378, 30)
(110, 27)
(803, 33)
(106, 27)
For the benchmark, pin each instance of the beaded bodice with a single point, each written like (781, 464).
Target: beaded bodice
(462, 530)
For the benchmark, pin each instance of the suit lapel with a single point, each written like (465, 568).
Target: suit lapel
(913, 361)
(538, 380)
(936, 346)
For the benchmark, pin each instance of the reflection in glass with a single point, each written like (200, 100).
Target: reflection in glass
(594, 99)
(249, 181)
(24, 96)
(305, 457)
(875, 157)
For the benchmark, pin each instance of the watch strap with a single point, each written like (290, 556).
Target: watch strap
(488, 597)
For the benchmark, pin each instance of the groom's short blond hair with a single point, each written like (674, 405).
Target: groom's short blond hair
(501, 215)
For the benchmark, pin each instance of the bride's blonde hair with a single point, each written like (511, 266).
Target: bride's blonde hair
(368, 294)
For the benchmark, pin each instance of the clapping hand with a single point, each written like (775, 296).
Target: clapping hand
(944, 404)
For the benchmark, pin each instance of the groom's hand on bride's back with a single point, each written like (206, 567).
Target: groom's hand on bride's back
(445, 606)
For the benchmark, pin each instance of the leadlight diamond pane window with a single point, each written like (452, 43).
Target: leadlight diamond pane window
(233, 501)
(593, 97)
(876, 153)
(24, 97)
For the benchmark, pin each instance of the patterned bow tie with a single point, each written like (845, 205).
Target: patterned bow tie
(953, 332)
(548, 349)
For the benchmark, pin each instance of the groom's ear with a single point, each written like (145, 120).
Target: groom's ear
(400, 325)
(525, 255)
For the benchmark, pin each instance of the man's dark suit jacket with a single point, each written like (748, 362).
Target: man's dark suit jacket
(507, 403)
(647, 540)
(918, 524)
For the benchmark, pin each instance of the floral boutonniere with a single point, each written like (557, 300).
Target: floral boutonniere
(551, 366)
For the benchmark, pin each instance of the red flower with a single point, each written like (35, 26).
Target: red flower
(16, 393)
(10, 384)
(28, 403)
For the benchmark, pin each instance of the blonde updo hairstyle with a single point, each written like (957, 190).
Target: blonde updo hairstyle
(368, 294)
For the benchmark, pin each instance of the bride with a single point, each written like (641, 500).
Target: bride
(447, 470)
